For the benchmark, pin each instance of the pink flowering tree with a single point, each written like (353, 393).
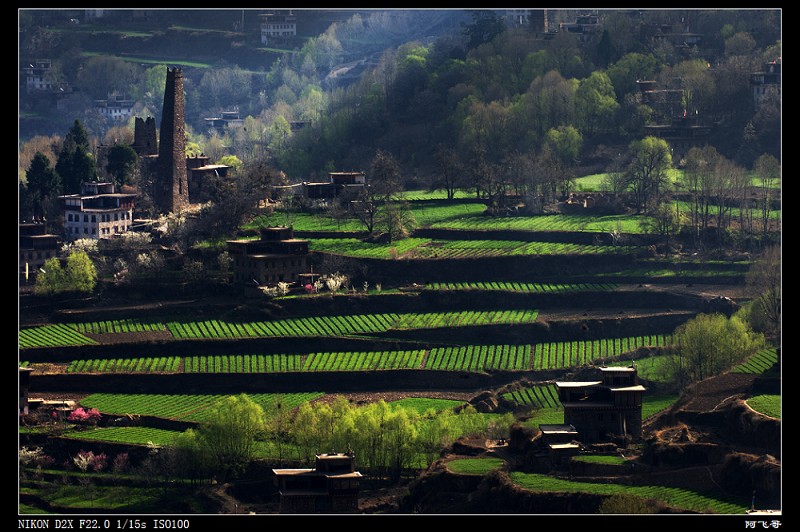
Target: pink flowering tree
(81, 415)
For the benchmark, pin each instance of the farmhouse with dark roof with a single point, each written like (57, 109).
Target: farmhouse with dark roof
(602, 409)
(330, 487)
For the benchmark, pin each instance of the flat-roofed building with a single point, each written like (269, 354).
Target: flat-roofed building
(604, 408)
(35, 247)
(275, 257)
(97, 212)
(331, 486)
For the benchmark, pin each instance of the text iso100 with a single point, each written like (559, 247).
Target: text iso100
(170, 523)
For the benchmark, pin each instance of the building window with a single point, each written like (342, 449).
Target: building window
(85, 230)
(85, 217)
(94, 218)
(116, 217)
(94, 231)
(69, 217)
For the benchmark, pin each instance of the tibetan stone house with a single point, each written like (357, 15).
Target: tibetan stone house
(275, 257)
(605, 408)
(330, 487)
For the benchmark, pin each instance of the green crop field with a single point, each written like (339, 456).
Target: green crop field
(553, 355)
(425, 404)
(626, 223)
(463, 358)
(183, 407)
(353, 247)
(477, 358)
(467, 249)
(126, 365)
(536, 288)
(119, 326)
(767, 404)
(758, 363)
(676, 497)
(544, 396)
(127, 435)
(52, 336)
(474, 466)
(348, 325)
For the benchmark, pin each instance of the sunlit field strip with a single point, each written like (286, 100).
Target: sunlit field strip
(184, 407)
(758, 363)
(539, 396)
(469, 358)
(467, 249)
(126, 365)
(52, 336)
(478, 358)
(508, 286)
(627, 223)
(119, 326)
(129, 435)
(555, 355)
(353, 247)
(357, 324)
(676, 497)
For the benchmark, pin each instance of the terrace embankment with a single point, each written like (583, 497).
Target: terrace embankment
(622, 296)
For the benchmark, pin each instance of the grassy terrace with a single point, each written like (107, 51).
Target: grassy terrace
(676, 497)
(187, 407)
(424, 248)
(534, 288)
(461, 358)
(345, 325)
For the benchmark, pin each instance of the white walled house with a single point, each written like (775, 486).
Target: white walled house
(97, 212)
(277, 24)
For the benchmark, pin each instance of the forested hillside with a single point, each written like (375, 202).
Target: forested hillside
(421, 85)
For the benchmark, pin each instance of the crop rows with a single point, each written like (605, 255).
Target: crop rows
(386, 360)
(676, 497)
(52, 336)
(465, 249)
(536, 288)
(540, 396)
(126, 365)
(118, 326)
(479, 358)
(346, 325)
(184, 407)
(554, 355)
(312, 326)
(129, 435)
(243, 364)
(552, 222)
(430, 320)
(758, 363)
(353, 247)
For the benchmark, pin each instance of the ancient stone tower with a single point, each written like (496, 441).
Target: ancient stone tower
(144, 136)
(172, 189)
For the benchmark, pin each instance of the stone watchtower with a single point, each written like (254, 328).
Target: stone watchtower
(144, 136)
(172, 189)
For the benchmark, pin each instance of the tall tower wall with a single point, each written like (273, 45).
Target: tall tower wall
(173, 193)
(144, 136)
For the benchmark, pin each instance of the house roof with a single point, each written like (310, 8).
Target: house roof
(636, 388)
(558, 429)
(626, 369)
(314, 473)
(578, 384)
(563, 446)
